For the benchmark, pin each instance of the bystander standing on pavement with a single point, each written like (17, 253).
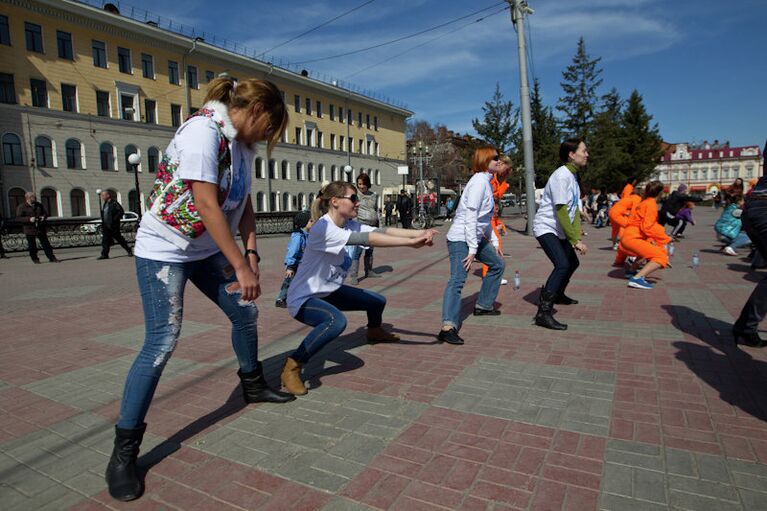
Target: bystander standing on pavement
(367, 214)
(34, 218)
(405, 209)
(206, 177)
(388, 210)
(2, 231)
(471, 236)
(111, 214)
(317, 295)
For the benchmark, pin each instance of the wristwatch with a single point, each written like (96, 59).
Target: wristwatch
(250, 251)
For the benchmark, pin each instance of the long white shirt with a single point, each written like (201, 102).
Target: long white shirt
(474, 213)
(561, 188)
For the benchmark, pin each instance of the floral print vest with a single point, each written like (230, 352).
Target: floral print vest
(171, 200)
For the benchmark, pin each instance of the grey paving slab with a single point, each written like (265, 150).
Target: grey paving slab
(97, 385)
(134, 337)
(62, 292)
(568, 398)
(56, 467)
(322, 439)
(644, 476)
(342, 504)
(3, 385)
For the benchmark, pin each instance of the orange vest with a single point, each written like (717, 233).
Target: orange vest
(644, 217)
(627, 190)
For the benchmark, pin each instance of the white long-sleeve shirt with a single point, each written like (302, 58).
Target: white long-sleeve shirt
(474, 213)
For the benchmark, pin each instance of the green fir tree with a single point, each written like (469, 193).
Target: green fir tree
(581, 81)
(641, 140)
(500, 124)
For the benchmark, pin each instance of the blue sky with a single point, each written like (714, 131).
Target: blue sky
(699, 64)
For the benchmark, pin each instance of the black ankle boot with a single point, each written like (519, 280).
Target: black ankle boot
(748, 338)
(122, 475)
(545, 317)
(256, 390)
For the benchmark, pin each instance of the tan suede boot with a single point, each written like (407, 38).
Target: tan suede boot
(291, 377)
(378, 334)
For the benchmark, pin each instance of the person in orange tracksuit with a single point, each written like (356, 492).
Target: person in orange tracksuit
(619, 218)
(628, 189)
(642, 229)
(500, 186)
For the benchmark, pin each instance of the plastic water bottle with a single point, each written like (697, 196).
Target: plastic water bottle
(517, 280)
(695, 260)
(670, 251)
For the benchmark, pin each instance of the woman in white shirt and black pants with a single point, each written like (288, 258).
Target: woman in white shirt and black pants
(557, 227)
(470, 237)
(317, 295)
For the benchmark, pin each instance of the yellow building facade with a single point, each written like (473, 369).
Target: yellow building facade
(72, 74)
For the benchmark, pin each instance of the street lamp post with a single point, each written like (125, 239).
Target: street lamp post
(134, 160)
(421, 153)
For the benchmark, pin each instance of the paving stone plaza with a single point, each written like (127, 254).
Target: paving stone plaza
(643, 403)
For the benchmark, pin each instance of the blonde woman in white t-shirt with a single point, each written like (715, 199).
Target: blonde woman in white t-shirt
(201, 198)
(317, 294)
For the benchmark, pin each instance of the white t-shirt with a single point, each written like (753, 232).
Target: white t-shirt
(195, 147)
(472, 218)
(561, 188)
(325, 263)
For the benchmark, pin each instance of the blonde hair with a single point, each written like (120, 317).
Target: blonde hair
(321, 204)
(251, 94)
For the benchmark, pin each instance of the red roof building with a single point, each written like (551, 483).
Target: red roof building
(706, 168)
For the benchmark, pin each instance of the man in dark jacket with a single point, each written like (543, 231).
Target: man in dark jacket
(33, 216)
(111, 214)
(404, 209)
(673, 204)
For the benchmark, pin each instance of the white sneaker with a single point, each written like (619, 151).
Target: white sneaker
(504, 282)
(615, 246)
(729, 251)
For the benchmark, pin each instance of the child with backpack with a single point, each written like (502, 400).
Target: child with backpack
(302, 222)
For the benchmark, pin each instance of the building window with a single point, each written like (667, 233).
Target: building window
(299, 171)
(309, 137)
(209, 76)
(341, 144)
(150, 111)
(44, 152)
(361, 146)
(64, 43)
(285, 170)
(127, 110)
(5, 31)
(34, 36)
(286, 201)
(318, 104)
(102, 103)
(74, 154)
(273, 201)
(297, 103)
(7, 89)
(173, 72)
(258, 165)
(367, 120)
(320, 141)
(349, 116)
(15, 199)
(333, 176)
(298, 136)
(99, 53)
(272, 169)
(333, 141)
(341, 114)
(175, 115)
(39, 93)
(308, 105)
(77, 202)
(69, 97)
(359, 119)
(332, 112)
(50, 202)
(12, 150)
(147, 66)
(130, 149)
(191, 77)
(124, 61)
(152, 159)
(375, 123)
(107, 154)
(310, 171)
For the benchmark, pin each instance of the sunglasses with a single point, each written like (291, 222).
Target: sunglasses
(353, 197)
(497, 157)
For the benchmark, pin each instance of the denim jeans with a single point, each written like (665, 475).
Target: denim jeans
(740, 241)
(325, 315)
(161, 285)
(562, 254)
(451, 300)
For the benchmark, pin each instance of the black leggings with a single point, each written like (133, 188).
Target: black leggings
(562, 255)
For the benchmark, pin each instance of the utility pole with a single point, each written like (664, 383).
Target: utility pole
(519, 9)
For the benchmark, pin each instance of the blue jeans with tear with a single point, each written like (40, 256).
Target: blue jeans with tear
(161, 285)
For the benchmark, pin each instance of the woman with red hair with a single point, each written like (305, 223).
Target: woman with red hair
(471, 236)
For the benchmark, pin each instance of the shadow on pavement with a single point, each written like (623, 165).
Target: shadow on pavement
(733, 372)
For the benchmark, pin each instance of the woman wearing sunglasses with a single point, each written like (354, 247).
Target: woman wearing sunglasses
(470, 237)
(317, 294)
